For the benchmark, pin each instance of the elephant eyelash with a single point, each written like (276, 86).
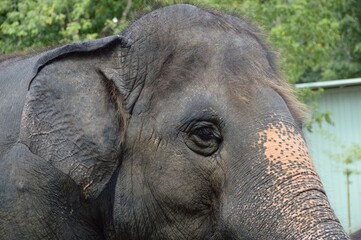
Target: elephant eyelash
(205, 129)
(205, 133)
(188, 124)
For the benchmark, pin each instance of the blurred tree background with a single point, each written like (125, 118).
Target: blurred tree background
(318, 40)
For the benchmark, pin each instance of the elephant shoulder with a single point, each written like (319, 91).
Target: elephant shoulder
(32, 190)
(15, 75)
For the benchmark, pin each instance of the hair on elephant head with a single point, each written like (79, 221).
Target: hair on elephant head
(179, 128)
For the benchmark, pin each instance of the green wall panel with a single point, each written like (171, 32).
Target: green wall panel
(325, 142)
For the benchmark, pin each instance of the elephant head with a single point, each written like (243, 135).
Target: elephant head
(179, 128)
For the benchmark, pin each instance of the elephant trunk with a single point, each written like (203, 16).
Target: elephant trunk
(284, 197)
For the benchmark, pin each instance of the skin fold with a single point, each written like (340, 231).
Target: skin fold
(179, 128)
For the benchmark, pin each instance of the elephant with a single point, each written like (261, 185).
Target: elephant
(180, 127)
(356, 235)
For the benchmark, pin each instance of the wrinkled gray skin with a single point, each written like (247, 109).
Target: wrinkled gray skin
(179, 128)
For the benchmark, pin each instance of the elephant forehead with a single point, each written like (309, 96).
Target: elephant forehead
(284, 149)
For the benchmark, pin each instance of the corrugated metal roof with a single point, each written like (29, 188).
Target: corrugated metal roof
(331, 84)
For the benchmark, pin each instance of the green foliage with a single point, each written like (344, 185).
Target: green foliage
(345, 61)
(305, 32)
(317, 40)
(346, 154)
(309, 97)
(38, 23)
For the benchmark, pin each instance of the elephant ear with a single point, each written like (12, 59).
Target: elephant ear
(74, 115)
(78, 47)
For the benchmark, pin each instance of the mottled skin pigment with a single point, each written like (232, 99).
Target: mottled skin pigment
(294, 179)
(285, 150)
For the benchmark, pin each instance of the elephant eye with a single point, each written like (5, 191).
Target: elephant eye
(203, 138)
